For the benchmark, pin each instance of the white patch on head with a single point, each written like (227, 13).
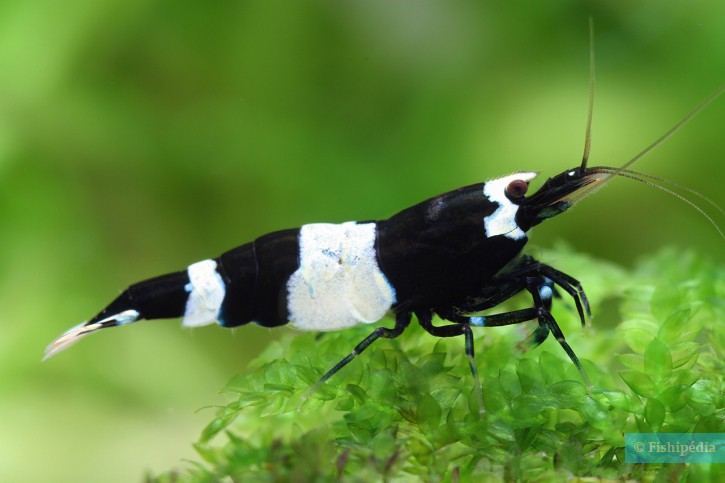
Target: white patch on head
(503, 220)
(338, 283)
(545, 292)
(206, 294)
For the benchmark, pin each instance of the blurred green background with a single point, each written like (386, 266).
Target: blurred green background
(138, 136)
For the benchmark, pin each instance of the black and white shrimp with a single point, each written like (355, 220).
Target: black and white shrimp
(453, 255)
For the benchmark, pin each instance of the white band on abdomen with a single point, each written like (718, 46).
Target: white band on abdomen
(338, 283)
(206, 294)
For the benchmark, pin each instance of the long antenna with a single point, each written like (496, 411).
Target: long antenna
(643, 179)
(702, 105)
(588, 135)
(613, 172)
(623, 169)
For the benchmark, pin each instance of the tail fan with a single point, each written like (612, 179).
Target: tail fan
(73, 335)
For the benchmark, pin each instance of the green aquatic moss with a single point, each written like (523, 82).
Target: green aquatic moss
(406, 408)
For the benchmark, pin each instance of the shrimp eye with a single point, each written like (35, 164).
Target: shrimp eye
(517, 188)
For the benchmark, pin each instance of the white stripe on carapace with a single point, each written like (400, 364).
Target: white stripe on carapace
(338, 283)
(206, 294)
(503, 220)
